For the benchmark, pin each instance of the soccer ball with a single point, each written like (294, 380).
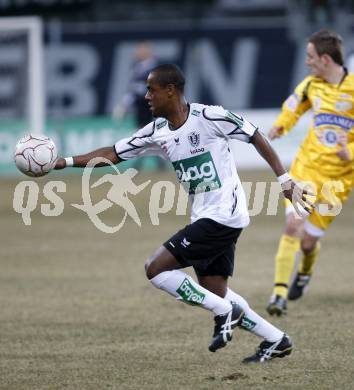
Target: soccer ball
(35, 155)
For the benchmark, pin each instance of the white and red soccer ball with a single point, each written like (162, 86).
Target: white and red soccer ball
(35, 155)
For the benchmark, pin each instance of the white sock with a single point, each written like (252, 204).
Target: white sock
(184, 288)
(254, 322)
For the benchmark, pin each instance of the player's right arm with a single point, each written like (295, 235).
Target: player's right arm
(139, 144)
(81, 161)
(292, 109)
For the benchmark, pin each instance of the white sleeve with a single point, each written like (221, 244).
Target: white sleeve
(139, 144)
(230, 125)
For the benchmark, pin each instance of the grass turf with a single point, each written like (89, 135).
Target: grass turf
(76, 311)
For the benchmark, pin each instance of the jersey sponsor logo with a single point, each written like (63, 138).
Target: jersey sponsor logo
(335, 120)
(194, 139)
(238, 120)
(200, 150)
(196, 113)
(162, 124)
(343, 106)
(199, 172)
(189, 293)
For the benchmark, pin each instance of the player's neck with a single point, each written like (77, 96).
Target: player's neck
(179, 114)
(335, 74)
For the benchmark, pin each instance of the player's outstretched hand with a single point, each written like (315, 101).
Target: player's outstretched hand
(60, 163)
(298, 197)
(275, 132)
(343, 153)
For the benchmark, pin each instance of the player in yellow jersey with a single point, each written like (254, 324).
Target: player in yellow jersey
(325, 158)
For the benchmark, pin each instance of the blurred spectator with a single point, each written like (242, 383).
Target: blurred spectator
(134, 99)
(321, 11)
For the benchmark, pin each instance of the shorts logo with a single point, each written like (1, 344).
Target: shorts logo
(199, 172)
(190, 294)
(185, 243)
(194, 139)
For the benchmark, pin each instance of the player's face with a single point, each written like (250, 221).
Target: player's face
(157, 96)
(316, 63)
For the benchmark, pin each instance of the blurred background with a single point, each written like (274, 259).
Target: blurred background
(76, 309)
(76, 68)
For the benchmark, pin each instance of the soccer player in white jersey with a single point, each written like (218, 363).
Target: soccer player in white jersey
(194, 137)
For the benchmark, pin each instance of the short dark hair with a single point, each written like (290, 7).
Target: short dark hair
(328, 42)
(169, 74)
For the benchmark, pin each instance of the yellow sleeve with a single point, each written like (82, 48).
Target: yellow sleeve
(294, 106)
(350, 147)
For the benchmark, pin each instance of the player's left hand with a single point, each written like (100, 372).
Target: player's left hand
(343, 153)
(298, 197)
(60, 163)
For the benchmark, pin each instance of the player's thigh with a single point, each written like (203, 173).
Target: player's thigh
(214, 274)
(201, 242)
(293, 222)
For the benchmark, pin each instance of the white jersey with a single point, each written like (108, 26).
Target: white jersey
(200, 154)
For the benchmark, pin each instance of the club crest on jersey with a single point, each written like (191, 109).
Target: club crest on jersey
(194, 139)
(329, 138)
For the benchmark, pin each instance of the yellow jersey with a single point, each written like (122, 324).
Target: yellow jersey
(333, 112)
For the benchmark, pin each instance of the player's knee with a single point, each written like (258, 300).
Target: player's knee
(293, 227)
(149, 271)
(152, 268)
(308, 246)
(291, 230)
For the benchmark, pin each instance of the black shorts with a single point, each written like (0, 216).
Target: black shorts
(207, 246)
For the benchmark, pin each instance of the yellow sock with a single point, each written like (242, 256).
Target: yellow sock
(308, 261)
(284, 263)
